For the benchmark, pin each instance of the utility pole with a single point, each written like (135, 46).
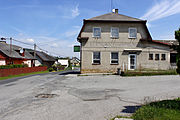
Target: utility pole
(10, 45)
(34, 53)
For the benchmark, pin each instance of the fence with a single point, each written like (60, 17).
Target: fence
(16, 71)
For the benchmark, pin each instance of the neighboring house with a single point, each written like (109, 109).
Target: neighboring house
(63, 62)
(113, 41)
(42, 58)
(75, 61)
(17, 55)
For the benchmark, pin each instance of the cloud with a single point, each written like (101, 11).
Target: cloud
(75, 11)
(74, 32)
(30, 40)
(162, 9)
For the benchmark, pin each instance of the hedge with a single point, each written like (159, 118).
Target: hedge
(13, 66)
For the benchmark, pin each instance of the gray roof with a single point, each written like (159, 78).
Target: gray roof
(169, 42)
(5, 49)
(114, 17)
(44, 56)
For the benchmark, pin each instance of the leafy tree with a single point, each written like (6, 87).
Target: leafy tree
(177, 37)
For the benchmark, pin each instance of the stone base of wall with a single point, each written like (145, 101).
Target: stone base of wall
(96, 71)
(16, 71)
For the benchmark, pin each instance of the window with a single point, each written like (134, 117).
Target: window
(97, 32)
(150, 56)
(163, 56)
(114, 32)
(156, 56)
(114, 58)
(132, 32)
(96, 58)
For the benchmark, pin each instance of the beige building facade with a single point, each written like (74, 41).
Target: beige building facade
(113, 41)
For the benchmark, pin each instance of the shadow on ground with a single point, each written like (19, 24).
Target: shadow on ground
(69, 72)
(130, 109)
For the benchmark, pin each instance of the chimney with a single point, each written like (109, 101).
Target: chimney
(115, 11)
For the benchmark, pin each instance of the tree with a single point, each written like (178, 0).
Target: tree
(177, 37)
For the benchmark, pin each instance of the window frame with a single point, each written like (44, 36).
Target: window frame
(114, 59)
(162, 57)
(96, 59)
(158, 56)
(129, 32)
(152, 56)
(93, 33)
(111, 32)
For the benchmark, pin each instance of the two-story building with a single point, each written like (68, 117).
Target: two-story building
(113, 41)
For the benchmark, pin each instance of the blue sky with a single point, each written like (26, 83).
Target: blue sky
(54, 24)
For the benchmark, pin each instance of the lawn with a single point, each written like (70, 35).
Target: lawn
(161, 110)
(24, 74)
(149, 73)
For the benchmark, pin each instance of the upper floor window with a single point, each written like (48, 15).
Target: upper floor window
(150, 56)
(163, 56)
(132, 33)
(114, 32)
(96, 58)
(96, 32)
(114, 57)
(156, 56)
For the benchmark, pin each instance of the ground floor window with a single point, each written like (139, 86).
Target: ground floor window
(114, 58)
(96, 58)
(150, 56)
(156, 56)
(163, 56)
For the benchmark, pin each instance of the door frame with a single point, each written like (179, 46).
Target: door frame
(129, 68)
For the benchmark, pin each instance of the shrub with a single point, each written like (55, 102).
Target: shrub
(50, 69)
(13, 66)
(178, 67)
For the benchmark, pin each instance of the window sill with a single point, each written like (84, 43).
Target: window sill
(132, 37)
(96, 37)
(96, 63)
(114, 37)
(114, 64)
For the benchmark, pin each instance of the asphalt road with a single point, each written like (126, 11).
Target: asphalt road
(75, 97)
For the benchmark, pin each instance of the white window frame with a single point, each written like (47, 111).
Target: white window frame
(130, 30)
(111, 32)
(93, 33)
(114, 59)
(96, 59)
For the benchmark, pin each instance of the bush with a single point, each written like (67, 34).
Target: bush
(178, 67)
(13, 66)
(50, 69)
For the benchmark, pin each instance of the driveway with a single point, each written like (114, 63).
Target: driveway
(73, 97)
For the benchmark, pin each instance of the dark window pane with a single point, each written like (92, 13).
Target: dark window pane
(150, 56)
(156, 56)
(114, 55)
(96, 55)
(163, 56)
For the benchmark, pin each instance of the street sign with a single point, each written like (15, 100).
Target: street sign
(76, 48)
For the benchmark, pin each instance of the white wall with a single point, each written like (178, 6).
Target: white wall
(28, 62)
(2, 62)
(63, 62)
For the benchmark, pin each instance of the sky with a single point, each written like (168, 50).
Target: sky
(55, 24)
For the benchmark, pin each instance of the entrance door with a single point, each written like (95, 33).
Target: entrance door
(132, 61)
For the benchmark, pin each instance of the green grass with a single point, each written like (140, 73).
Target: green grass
(20, 75)
(162, 110)
(150, 73)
